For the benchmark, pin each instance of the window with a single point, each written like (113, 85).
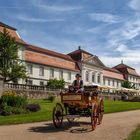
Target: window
(113, 83)
(51, 73)
(93, 77)
(117, 84)
(41, 71)
(30, 69)
(104, 81)
(29, 82)
(87, 76)
(109, 82)
(41, 83)
(69, 75)
(98, 78)
(61, 74)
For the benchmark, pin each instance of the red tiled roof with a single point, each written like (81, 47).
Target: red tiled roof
(125, 68)
(111, 69)
(41, 58)
(12, 31)
(112, 74)
(49, 52)
(132, 72)
(7, 26)
(79, 51)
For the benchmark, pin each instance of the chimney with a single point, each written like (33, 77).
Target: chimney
(79, 47)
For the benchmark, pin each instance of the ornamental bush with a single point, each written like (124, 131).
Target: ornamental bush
(11, 99)
(51, 98)
(7, 110)
(33, 107)
(10, 103)
(56, 84)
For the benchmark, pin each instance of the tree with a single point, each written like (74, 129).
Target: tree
(127, 84)
(11, 68)
(54, 84)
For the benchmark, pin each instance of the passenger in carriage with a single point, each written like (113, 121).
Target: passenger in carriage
(78, 84)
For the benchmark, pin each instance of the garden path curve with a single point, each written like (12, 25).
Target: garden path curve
(115, 126)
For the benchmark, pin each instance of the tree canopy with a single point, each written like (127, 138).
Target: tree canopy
(11, 68)
(54, 84)
(127, 84)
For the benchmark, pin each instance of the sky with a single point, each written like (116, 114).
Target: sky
(109, 29)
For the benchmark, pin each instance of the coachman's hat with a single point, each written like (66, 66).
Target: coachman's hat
(77, 75)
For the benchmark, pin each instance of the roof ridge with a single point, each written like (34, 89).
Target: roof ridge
(124, 65)
(7, 26)
(44, 50)
(112, 69)
(81, 50)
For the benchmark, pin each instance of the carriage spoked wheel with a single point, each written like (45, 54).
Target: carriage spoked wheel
(70, 119)
(100, 111)
(94, 116)
(57, 115)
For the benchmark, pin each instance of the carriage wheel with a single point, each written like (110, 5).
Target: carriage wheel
(94, 116)
(57, 115)
(100, 111)
(70, 119)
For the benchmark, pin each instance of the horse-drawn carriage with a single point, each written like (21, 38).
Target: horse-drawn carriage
(73, 105)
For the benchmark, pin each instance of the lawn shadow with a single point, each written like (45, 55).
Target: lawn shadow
(75, 127)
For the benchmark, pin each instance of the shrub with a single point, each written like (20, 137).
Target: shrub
(11, 99)
(10, 103)
(9, 92)
(1, 111)
(16, 110)
(51, 98)
(56, 84)
(134, 99)
(7, 110)
(33, 107)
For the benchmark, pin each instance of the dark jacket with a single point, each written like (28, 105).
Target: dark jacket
(75, 83)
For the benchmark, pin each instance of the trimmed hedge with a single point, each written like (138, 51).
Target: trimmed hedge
(10, 103)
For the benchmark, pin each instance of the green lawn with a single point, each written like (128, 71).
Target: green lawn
(45, 113)
(135, 135)
(119, 106)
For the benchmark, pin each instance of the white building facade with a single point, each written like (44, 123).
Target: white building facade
(43, 64)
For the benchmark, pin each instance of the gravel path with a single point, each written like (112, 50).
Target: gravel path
(115, 126)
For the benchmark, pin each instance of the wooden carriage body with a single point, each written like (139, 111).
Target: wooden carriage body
(80, 100)
(75, 103)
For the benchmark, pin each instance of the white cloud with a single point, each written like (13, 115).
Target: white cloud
(135, 5)
(128, 60)
(118, 37)
(32, 19)
(97, 30)
(130, 57)
(129, 30)
(104, 17)
(118, 40)
(43, 5)
(55, 8)
(121, 48)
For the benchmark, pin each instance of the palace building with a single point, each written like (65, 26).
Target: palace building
(43, 64)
